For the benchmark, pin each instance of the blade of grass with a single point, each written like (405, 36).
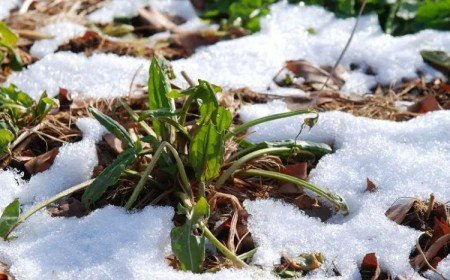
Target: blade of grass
(334, 199)
(243, 127)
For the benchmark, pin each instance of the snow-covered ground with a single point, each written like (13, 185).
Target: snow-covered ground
(406, 159)
(403, 159)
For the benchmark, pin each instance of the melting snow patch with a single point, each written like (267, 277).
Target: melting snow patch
(97, 76)
(62, 32)
(403, 159)
(6, 6)
(409, 159)
(254, 60)
(129, 8)
(74, 164)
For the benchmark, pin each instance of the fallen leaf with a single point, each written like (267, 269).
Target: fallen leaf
(427, 104)
(313, 75)
(398, 212)
(65, 100)
(371, 187)
(41, 162)
(190, 41)
(370, 268)
(431, 252)
(68, 207)
(298, 170)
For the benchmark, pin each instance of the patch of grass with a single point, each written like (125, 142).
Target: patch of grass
(187, 141)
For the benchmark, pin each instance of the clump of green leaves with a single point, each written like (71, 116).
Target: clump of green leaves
(237, 13)
(398, 17)
(184, 149)
(18, 111)
(9, 54)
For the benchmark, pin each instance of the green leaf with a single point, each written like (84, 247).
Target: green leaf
(9, 218)
(109, 176)
(163, 112)
(438, 59)
(206, 152)
(113, 127)
(44, 105)
(158, 89)
(223, 119)
(6, 137)
(318, 149)
(7, 36)
(188, 247)
(433, 14)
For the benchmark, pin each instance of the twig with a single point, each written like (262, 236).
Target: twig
(426, 260)
(187, 78)
(430, 206)
(346, 45)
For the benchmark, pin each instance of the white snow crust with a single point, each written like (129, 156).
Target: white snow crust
(129, 8)
(62, 32)
(406, 159)
(6, 6)
(73, 164)
(409, 159)
(250, 61)
(254, 60)
(99, 76)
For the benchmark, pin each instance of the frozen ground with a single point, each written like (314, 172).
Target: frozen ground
(253, 60)
(403, 159)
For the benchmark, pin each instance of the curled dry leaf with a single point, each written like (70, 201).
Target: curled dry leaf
(68, 207)
(398, 212)
(370, 268)
(41, 162)
(371, 187)
(427, 104)
(436, 248)
(313, 75)
(299, 170)
(65, 100)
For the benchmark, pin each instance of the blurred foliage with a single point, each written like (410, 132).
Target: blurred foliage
(397, 17)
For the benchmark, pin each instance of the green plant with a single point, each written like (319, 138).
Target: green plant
(8, 52)
(396, 17)
(19, 111)
(186, 151)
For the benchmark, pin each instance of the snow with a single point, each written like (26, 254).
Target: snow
(74, 164)
(444, 267)
(408, 159)
(62, 32)
(242, 62)
(6, 6)
(254, 60)
(129, 8)
(100, 75)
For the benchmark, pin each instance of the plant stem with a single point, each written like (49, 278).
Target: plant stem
(335, 199)
(222, 248)
(34, 209)
(237, 164)
(144, 177)
(185, 108)
(247, 125)
(135, 117)
(176, 125)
